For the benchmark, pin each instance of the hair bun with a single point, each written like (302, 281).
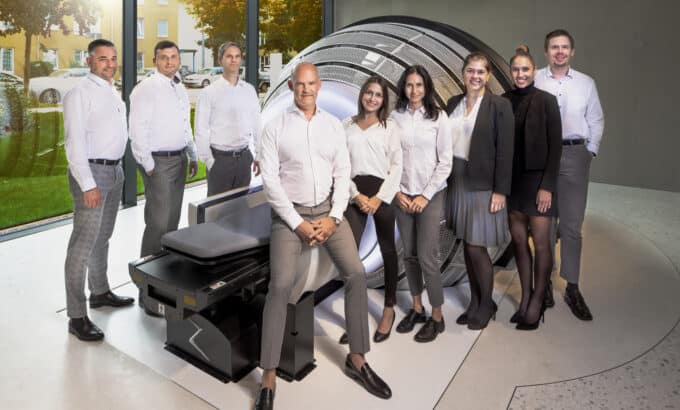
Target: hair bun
(522, 48)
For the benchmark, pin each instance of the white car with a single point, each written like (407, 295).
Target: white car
(203, 77)
(51, 89)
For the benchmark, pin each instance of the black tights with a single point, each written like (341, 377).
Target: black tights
(384, 227)
(480, 275)
(530, 306)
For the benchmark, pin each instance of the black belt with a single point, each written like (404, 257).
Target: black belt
(168, 153)
(104, 161)
(238, 153)
(576, 141)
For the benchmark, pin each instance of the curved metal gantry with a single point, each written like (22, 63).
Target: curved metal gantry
(385, 46)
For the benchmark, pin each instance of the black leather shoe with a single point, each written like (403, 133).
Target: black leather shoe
(110, 299)
(368, 379)
(429, 331)
(578, 306)
(409, 321)
(265, 400)
(344, 339)
(548, 299)
(85, 330)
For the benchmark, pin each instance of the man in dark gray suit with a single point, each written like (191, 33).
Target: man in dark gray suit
(95, 139)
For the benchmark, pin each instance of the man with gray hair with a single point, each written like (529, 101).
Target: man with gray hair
(95, 138)
(306, 178)
(227, 125)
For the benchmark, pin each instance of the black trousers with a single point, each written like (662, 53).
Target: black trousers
(384, 226)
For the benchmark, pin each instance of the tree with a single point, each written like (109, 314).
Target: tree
(290, 25)
(219, 20)
(36, 17)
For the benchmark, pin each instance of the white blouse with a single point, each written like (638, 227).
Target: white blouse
(462, 126)
(375, 151)
(426, 145)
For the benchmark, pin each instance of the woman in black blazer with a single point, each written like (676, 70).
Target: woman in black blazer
(532, 204)
(482, 130)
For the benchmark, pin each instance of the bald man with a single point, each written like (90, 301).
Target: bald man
(306, 176)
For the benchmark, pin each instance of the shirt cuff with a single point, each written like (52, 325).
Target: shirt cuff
(87, 184)
(429, 192)
(385, 197)
(149, 164)
(293, 220)
(336, 213)
(209, 163)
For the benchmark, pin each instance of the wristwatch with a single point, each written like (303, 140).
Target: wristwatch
(338, 221)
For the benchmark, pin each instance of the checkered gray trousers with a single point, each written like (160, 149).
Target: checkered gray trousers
(88, 247)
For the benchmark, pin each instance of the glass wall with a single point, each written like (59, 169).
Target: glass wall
(286, 28)
(39, 63)
(42, 55)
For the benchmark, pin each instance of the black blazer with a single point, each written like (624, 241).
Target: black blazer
(543, 137)
(489, 165)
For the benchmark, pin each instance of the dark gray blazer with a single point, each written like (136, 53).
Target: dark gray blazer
(489, 165)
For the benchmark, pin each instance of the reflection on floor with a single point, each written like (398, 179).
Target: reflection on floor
(631, 251)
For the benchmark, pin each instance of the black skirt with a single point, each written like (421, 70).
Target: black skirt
(525, 187)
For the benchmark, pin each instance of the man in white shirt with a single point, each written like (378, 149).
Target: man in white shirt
(227, 124)
(161, 139)
(582, 128)
(95, 138)
(306, 177)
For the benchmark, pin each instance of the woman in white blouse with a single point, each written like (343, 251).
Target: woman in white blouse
(375, 153)
(426, 146)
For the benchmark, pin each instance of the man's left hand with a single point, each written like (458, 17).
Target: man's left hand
(326, 227)
(193, 169)
(256, 167)
(372, 205)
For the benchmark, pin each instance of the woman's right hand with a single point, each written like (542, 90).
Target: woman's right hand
(361, 201)
(403, 202)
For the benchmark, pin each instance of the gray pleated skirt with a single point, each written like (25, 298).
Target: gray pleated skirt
(468, 212)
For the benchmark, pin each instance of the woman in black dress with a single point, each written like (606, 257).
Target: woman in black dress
(532, 202)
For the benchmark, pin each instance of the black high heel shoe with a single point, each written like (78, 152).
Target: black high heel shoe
(474, 325)
(522, 325)
(463, 319)
(516, 318)
(381, 337)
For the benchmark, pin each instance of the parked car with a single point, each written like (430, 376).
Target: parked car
(203, 77)
(7, 78)
(184, 71)
(51, 89)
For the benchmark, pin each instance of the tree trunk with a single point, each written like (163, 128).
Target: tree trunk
(27, 62)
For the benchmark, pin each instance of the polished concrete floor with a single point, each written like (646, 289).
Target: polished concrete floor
(626, 358)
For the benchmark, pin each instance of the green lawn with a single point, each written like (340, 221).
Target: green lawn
(33, 181)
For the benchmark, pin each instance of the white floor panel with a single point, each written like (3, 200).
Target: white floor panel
(418, 373)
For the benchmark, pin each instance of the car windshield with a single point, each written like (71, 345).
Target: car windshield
(204, 71)
(59, 73)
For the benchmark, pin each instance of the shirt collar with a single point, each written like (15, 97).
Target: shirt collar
(170, 80)
(295, 110)
(98, 80)
(548, 73)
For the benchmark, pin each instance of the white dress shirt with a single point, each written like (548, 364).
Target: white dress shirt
(302, 161)
(375, 151)
(95, 127)
(227, 118)
(462, 126)
(428, 153)
(159, 119)
(579, 103)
